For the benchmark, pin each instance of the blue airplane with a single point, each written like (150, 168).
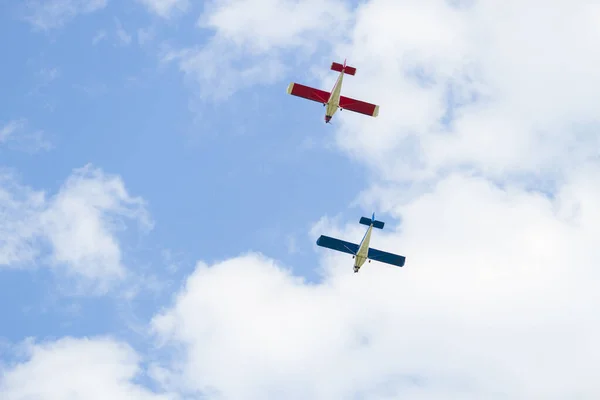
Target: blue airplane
(362, 252)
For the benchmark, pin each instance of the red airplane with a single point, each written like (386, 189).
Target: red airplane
(333, 100)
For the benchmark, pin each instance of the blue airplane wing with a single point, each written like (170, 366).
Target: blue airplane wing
(388, 258)
(337, 244)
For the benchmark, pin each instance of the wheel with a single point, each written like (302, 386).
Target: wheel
(369, 260)
(353, 257)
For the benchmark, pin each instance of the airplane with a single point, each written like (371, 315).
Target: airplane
(362, 252)
(334, 100)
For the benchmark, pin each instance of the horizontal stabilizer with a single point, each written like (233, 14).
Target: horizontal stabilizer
(388, 258)
(337, 244)
(307, 92)
(339, 68)
(376, 224)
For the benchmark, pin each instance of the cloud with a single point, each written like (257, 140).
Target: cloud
(275, 23)
(482, 309)
(496, 301)
(212, 69)
(250, 39)
(122, 35)
(485, 150)
(457, 83)
(9, 129)
(500, 91)
(80, 224)
(20, 207)
(51, 14)
(166, 8)
(98, 368)
(16, 135)
(81, 218)
(498, 296)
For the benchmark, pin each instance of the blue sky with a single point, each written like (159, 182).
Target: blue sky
(251, 172)
(161, 195)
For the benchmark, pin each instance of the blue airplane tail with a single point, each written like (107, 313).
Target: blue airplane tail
(372, 220)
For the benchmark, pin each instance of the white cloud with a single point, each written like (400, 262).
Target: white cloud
(122, 35)
(20, 207)
(251, 37)
(70, 368)
(496, 300)
(498, 296)
(275, 23)
(51, 14)
(515, 105)
(532, 78)
(80, 223)
(166, 8)
(17, 135)
(9, 129)
(213, 69)
(81, 219)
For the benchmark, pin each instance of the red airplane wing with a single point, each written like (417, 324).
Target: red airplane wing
(309, 93)
(358, 106)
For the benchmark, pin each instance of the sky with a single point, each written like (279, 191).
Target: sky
(161, 196)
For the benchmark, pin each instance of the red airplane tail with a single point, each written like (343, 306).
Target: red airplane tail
(343, 68)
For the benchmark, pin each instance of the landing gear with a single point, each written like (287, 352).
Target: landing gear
(353, 257)
(369, 260)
